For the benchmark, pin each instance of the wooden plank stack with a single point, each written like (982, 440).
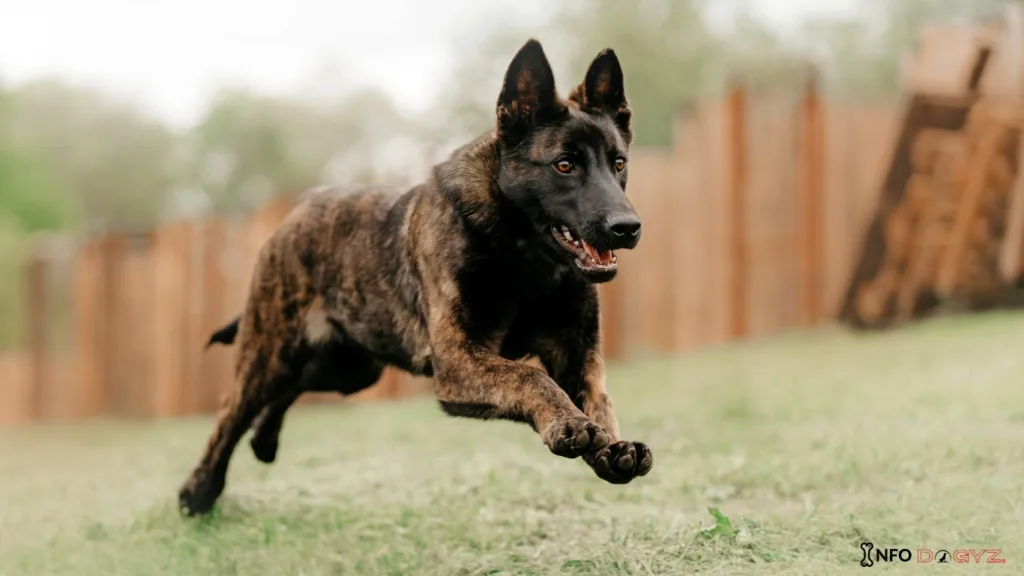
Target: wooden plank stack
(950, 217)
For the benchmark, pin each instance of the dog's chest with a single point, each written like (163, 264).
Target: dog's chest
(510, 324)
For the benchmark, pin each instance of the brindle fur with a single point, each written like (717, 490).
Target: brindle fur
(458, 278)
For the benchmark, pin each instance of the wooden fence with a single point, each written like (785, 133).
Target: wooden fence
(751, 223)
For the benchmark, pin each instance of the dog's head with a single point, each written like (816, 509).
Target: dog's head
(564, 163)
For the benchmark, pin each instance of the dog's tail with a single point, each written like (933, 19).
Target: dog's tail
(225, 334)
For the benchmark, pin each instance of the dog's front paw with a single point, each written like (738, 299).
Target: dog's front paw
(620, 462)
(199, 493)
(574, 437)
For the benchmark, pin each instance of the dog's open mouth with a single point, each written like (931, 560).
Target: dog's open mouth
(587, 258)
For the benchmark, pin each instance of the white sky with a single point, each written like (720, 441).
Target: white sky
(169, 56)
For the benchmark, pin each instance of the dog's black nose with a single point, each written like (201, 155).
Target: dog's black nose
(624, 226)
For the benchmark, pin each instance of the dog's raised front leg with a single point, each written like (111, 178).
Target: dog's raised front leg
(582, 375)
(572, 356)
(621, 460)
(474, 382)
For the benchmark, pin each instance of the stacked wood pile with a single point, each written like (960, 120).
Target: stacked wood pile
(950, 219)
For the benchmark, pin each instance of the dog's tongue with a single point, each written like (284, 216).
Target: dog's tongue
(602, 257)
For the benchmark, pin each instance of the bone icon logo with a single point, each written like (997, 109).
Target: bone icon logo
(866, 561)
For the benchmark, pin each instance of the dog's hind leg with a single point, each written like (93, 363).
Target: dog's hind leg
(206, 482)
(335, 367)
(263, 376)
(266, 429)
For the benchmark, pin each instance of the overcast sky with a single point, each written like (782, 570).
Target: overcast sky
(169, 56)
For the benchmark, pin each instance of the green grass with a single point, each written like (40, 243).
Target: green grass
(804, 445)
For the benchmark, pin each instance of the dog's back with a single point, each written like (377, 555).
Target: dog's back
(340, 259)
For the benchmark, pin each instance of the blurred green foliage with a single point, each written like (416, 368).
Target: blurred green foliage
(76, 159)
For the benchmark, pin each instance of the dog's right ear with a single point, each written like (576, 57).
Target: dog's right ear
(527, 93)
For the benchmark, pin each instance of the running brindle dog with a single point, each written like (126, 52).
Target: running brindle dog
(492, 260)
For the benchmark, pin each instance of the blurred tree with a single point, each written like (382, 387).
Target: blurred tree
(110, 165)
(239, 151)
(669, 54)
(469, 96)
(249, 147)
(862, 54)
(29, 198)
(673, 55)
(763, 58)
(668, 49)
(28, 203)
(370, 139)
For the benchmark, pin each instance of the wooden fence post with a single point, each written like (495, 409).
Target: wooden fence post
(736, 178)
(90, 319)
(16, 401)
(170, 267)
(130, 326)
(215, 364)
(37, 335)
(810, 183)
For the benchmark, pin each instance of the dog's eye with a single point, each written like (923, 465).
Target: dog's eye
(564, 166)
(620, 164)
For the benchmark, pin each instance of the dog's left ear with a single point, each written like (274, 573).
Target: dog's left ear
(603, 91)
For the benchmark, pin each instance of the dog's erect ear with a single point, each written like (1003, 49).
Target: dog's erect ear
(603, 90)
(528, 91)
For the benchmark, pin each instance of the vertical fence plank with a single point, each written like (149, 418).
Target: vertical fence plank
(139, 326)
(170, 270)
(215, 363)
(736, 172)
(809, 169)
(714, 207)
(90, 313)
(119, 373)
(835, 211)
(131, 325)
(660, 254)
(194, 398)
(38, 336)
(690, 247)
(771, 224)
(17, 404)
(643, 272)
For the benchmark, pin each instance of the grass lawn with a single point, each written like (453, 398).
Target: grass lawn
(808, 444)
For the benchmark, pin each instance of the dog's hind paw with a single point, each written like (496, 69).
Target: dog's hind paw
(575, 437)
(199, 494)
(620, 462)
(264, 448)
